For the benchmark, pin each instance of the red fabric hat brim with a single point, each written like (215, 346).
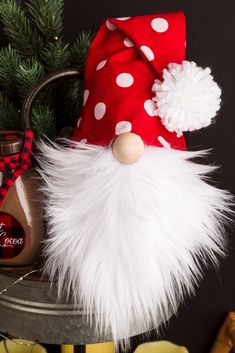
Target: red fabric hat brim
(124, 59)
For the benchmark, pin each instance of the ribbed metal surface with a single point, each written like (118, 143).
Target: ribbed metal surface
(29, 310)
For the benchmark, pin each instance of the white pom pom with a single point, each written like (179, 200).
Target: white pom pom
(188, 98)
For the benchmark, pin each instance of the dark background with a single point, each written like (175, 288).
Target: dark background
(210, 41)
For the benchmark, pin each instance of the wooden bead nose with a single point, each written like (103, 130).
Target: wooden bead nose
(128, 147)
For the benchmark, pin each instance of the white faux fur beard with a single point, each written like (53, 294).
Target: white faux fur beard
(127, 240)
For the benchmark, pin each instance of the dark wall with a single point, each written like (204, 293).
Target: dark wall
(210, 41)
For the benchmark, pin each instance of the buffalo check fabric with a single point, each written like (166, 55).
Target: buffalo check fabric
(14, 165)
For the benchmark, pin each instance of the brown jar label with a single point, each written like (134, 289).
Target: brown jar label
(12, 236)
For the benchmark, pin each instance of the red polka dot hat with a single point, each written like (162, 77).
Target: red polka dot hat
(137, 81)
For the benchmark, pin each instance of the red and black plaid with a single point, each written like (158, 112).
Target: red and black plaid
(15, 164)
(12, 236)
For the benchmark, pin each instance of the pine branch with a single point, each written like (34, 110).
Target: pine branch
(17, 27)
(9, 117)
(43, 121)
(34, 30)
(9, 62)
(47, 16)
(55, 56)
(79, 49)
(28, 74)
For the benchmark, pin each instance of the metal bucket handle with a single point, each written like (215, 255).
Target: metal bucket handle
(26, 114)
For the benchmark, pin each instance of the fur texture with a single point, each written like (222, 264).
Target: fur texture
(188, 98)
(127, 240)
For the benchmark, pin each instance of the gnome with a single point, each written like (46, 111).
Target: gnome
(131, 216)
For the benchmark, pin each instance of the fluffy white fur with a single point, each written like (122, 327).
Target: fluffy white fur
(188, 97)
(127, 240)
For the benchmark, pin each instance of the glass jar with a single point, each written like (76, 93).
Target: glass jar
(21, 225)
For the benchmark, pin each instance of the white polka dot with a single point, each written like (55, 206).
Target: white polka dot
(100, 110)
(83, 141)
(159, 24)
(122, 127)
(124, 80)
(149, 107)
(85, 96)
(122, 18)
(148, 53)
(128, 43)
(101, 64)
(79, 121)
(110, 25)
(164, 142)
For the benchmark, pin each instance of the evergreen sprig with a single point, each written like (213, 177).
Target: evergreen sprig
(47, 16)
(43, 121)
(80, 48)
(55, 56)
(9, 117)
(9, 62)
(28, 74)
(34, 29)
(18, 28)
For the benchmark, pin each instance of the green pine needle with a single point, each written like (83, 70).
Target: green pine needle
(34, 29)
(28, 74)
(18, 28)
(47, 16)
(55, 56)
(9, 117)
(43, 121)
(79, 49)
(9, 62)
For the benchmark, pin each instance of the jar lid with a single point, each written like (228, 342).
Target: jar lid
(10, 142)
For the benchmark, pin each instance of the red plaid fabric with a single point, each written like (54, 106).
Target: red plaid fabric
(16, 164)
